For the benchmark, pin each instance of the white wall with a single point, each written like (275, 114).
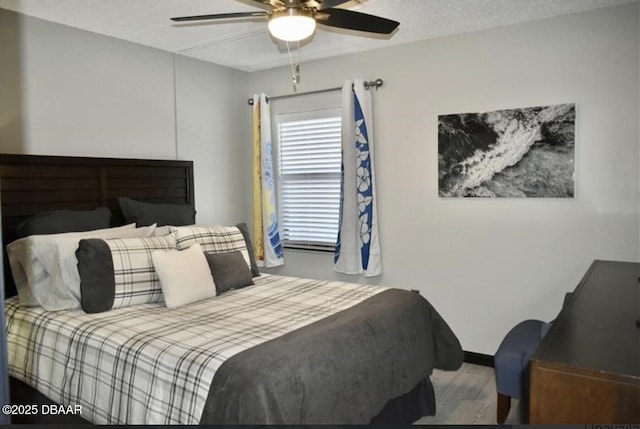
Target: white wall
(85, 94)
(213, 133)
(65, 91)
(488, 264)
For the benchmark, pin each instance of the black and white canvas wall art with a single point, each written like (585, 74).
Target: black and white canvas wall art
(513, 153)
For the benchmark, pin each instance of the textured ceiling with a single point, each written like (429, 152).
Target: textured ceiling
(246, 45)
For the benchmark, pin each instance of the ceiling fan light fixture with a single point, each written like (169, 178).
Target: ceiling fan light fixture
(292, 25)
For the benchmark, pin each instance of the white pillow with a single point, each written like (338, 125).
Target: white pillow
(184, 276)
(44, 267)
(161, 231)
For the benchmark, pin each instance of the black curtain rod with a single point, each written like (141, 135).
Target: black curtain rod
(367, 85)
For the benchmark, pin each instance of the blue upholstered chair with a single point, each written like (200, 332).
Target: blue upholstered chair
(512, 359)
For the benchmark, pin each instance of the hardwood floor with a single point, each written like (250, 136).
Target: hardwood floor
(467, 396)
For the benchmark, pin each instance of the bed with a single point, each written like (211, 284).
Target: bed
(281, 351)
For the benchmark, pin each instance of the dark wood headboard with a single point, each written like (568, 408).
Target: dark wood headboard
(32, 184)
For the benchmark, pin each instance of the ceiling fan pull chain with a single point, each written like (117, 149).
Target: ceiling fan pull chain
(295, 70)
(297, 74)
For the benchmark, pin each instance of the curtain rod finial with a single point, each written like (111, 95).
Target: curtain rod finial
(374, 83)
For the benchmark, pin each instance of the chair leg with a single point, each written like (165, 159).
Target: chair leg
(504, 405)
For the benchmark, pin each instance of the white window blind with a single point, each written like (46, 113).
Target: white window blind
(310, 156)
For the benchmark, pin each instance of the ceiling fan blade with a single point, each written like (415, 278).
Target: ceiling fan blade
(220, 16)
(351, 20)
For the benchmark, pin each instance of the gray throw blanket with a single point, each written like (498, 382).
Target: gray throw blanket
(339, 370)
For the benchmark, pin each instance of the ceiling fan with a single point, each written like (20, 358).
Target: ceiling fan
(295, 20)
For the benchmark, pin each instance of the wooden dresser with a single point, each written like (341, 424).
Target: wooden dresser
(587, 368)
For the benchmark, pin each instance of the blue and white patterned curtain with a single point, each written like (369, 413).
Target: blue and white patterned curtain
(358, 245)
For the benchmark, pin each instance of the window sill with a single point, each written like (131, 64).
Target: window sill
(311, 249)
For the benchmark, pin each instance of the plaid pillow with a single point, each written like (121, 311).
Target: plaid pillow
(214, 239)
(119, 272)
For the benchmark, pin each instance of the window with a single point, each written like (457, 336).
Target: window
(309, 172)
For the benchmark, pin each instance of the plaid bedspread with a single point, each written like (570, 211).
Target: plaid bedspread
(147, 364)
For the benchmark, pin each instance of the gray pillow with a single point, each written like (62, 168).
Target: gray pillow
(60, 221)
(252, 253)
(145, 214)
(229, 271)
(97, 283)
